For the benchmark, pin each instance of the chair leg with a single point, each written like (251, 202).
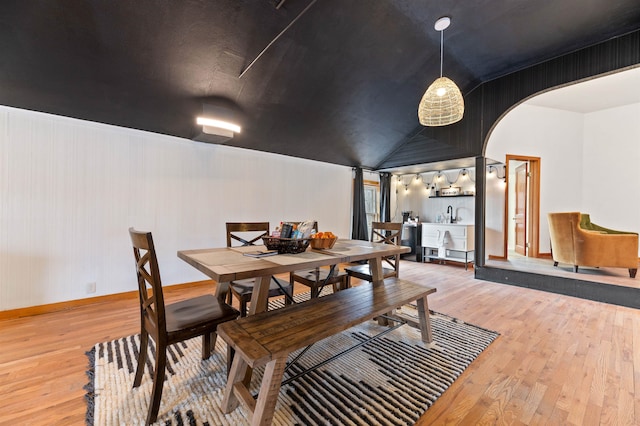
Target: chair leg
(575, 268)
(243, 307)
(158, 382)
(208, 344)
(632, 272)
(142, 358)
(288, 298)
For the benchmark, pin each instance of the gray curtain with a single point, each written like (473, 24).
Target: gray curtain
(385, 197)
(359, 223)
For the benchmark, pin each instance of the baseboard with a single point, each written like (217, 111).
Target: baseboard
(540, 256)
(496, 257)
(61, 306)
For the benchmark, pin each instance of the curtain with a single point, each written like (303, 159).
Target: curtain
(385, 197)
(359, 222)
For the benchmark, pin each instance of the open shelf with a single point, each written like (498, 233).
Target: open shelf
(464, 257)
(451, 196)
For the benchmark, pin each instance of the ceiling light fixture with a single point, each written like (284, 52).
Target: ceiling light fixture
(216, 127)
(442, 103)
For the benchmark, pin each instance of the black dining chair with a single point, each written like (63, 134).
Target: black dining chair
(169, 324)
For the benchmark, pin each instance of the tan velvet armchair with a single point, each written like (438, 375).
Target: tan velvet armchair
(577, 241)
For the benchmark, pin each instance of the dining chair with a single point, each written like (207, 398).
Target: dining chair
(319, 277)
(250, 234)
(381, 232)
(169, 324)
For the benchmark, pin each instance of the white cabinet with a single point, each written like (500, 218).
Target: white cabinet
(448, 241)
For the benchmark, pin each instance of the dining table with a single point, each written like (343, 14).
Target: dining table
(227, 264)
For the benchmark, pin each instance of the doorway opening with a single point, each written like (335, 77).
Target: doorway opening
(522, 206)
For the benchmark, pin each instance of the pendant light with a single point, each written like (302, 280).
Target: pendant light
(442, 103)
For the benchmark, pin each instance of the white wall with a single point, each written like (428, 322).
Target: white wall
(583, 156)
(69, 191)
(611, 181)
(416, 199)
(494, 212)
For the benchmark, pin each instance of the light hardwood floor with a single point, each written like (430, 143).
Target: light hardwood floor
(558, 361)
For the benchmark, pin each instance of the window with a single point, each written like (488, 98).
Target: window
(372, 202)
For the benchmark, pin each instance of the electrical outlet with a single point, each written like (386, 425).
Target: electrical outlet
(91, 288)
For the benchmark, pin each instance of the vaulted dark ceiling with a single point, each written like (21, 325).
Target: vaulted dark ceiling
(341, 84)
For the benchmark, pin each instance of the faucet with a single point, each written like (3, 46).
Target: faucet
(451, 214)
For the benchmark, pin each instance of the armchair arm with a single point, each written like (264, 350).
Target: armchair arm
(604, 249)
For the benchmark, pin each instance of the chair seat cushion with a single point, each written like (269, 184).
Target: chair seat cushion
(364, 272)
(244, 288)
(198, 311)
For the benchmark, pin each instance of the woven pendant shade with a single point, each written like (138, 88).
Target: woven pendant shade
(442, 104)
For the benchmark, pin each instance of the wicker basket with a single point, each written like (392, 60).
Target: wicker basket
(323, 243)
(286, 245)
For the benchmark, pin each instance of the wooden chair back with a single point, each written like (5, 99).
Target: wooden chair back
(152, 309)
(246, 233)
(388, 233)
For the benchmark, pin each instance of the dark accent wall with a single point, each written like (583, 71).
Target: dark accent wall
(484, 107)
(487, 103)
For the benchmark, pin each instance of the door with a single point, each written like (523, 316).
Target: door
(520, 217)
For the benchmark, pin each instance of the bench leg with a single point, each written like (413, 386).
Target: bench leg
(269, 390)
(423, 320)
(236, 375)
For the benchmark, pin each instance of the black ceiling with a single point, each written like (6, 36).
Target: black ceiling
(341, 85)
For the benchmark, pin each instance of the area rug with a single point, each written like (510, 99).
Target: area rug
(392, 380)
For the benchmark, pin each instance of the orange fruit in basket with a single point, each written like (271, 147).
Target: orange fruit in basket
(323, 236)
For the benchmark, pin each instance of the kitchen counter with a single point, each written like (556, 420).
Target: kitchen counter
(448, 242)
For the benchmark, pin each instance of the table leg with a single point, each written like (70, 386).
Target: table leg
(260, 295)
(222, 289)
(375, 265)
(423, 320)
(377, 276)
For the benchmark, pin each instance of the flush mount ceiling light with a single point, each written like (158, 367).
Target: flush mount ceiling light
(220, 120)
(212, 126)
(442, 103)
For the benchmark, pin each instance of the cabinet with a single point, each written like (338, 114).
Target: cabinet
(448, 241)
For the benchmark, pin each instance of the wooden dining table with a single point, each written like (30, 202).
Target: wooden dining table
(227, 264)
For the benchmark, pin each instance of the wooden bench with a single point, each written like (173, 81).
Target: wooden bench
(269, 337)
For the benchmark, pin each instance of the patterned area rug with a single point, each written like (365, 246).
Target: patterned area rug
(392, 380)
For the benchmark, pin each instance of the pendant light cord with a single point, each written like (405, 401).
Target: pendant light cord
(441, 49)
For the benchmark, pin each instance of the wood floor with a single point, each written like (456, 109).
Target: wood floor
(558, 361)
